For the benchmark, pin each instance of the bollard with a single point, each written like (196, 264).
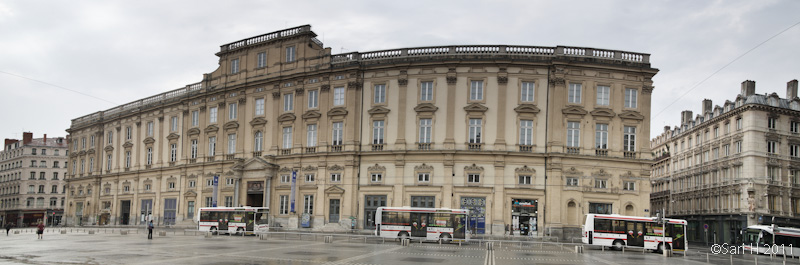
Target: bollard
(123, 232)
(63, 232)
(208, 235)
(262, 236)
(91, 232)
(162, 233)
(707, 258)
(578, 249)
(328, 239)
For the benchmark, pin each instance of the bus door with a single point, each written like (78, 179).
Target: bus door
(635, 231)
(459, 225)
(419, 225)
(676, 231)
(223, 221)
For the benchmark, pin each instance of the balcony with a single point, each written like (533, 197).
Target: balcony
(210, 159)
(256, 153)
(336, 148)
(601, 152)
(474, 146)
(311, 150)
(629, 154)
(230, 157)
(573, 150)
(192, 160)
(377, 147)
(287, 151)
(526, 148)
(424, 146)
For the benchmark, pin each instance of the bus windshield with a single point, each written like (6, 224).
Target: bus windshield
(751, 236)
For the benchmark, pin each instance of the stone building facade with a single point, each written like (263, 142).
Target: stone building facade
(731, 166)
(517, 134)
(32, 186)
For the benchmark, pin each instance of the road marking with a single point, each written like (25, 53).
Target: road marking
(348, 260)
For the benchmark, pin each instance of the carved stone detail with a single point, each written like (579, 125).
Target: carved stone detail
(525, 169)
(310, 168)
(376, 167)
(325, 88)
(473, 167)
(426, 107)
(557, 81)
(299, 91)
(276, 94)
(423, 167)
(335, 168)
(287, 117)
(572, 172)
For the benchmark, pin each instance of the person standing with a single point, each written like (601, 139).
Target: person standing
(150, 230)
(8, 227)
(40, 230)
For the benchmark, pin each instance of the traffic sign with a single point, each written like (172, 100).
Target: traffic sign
(705, 226)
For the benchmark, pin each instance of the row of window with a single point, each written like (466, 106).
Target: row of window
(42, 175)
(30, 202)
(601, 136)
(43, 163)
(53, 190)
(261, 59)
(43, 152)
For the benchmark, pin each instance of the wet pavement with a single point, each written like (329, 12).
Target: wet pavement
(111, 247)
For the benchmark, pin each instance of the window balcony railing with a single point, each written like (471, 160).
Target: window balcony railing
(336, 148)
(573, 150)
(311, 150)
(629, 154)
(377, 147)
(601, 152)
(424, 146)
(145, 167)
(287, 151)
(256, 153)
(192, 160)
(474, 146)
(526, 148)
(230, 157)
(210, 159)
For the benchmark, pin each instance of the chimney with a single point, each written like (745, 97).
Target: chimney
(666, 128)
(707, 106)
(686, 117)
(45, 139)
(27, 137)
(791, 89)
(8, 142)
(748, 88)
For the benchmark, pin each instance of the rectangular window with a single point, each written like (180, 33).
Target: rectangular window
(108, 162)
(209, 201)
(228, 201)
(287, 137)
(173, 124)
(726, 149)
(526, 92)
(629, 185)
(599, 208)
(376, 177)
(232, 111)
(630, 98)
(311, 135)
(574, 93)
(190, 209)
(149, 157)
(573, 133)
(794, 127)
(193, 149)
(195, 118)
(338, 96)
(426, 91)
(629, 139)
(716, 132)
(476, 90)
(234, 66)
(192, 184)
(173, 152)
(91, 165)
(526, 132)
(793, 150)
(313, 99)
(284, 204)
(55, 175)
(603, 95)
(336, 177)
(83, 145)
(232, 143)
(261, 59)
(771, 123)
(524, 180)
(110, 138)
(212, 115)
(475, 126)
(91, 143)
(377, 132)
(258, 142)
(288, 102)
(473, 178)
(738, 146)
(572, 182)
(54, 189)
(738, 123)
(425, 131)
(772, 147)
(150, 126)
(337, 133)
(212, 145)
(423, 177)
(774, 173)
(128, 159)
(380, 94)
(259, 106)
(308, 204)
(290, 54)
(600, 183)
(601, 136)
(309, 177)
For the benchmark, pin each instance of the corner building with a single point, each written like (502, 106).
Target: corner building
(731, 166)
(517, 134)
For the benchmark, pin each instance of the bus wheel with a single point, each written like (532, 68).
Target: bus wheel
(213, 230)
(403, 235)
(239, 231)
(445, 238)
(618, 244)
(661, 247)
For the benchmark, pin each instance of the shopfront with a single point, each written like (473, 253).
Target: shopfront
(477, 213)
(524, 216)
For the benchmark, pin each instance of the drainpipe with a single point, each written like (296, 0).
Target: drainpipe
(547, 152)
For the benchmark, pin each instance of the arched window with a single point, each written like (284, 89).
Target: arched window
(259, 142)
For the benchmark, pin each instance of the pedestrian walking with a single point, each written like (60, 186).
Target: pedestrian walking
(150, 230)
(40, 230)
(8, 227)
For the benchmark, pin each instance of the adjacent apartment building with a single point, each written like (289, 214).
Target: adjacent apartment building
(731, 166)
(517, 134)
(32, 186)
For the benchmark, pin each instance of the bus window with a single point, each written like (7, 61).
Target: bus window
(619, 226)
(751, 236)
(262, 219)
(602, 226)
(205, 216)
(766, 237)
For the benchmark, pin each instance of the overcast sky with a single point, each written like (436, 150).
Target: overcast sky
(121, 51)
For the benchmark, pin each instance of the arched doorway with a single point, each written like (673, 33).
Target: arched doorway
(629, 210)
(572, 213)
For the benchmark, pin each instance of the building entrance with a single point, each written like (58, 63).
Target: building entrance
(524, 216)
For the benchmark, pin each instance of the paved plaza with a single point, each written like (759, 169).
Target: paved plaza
(178, 247)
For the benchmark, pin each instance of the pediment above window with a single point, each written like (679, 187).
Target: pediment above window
(82, 153)
(258, 121)
(310, 168)
(127, 145)
(573, 172)
(377, 167)
(476, 107)
(527, 108)
(575, 110)
(334, 190)
(173, 136)
(338, 111)
(423, 167)
(525, 169)
(335, 168)
(631, 115)
(231, 125)
(603, 112)
(108, 148)
(149, 140)
(90, 151)
(211, 128)
(190, 194)
(378, 110)
(287, 117)
(426, 107)
(193, 131)
(312, 114)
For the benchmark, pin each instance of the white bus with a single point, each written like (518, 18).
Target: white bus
(759, 238)
(619, 231)
(233, 219)
(422, 223)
